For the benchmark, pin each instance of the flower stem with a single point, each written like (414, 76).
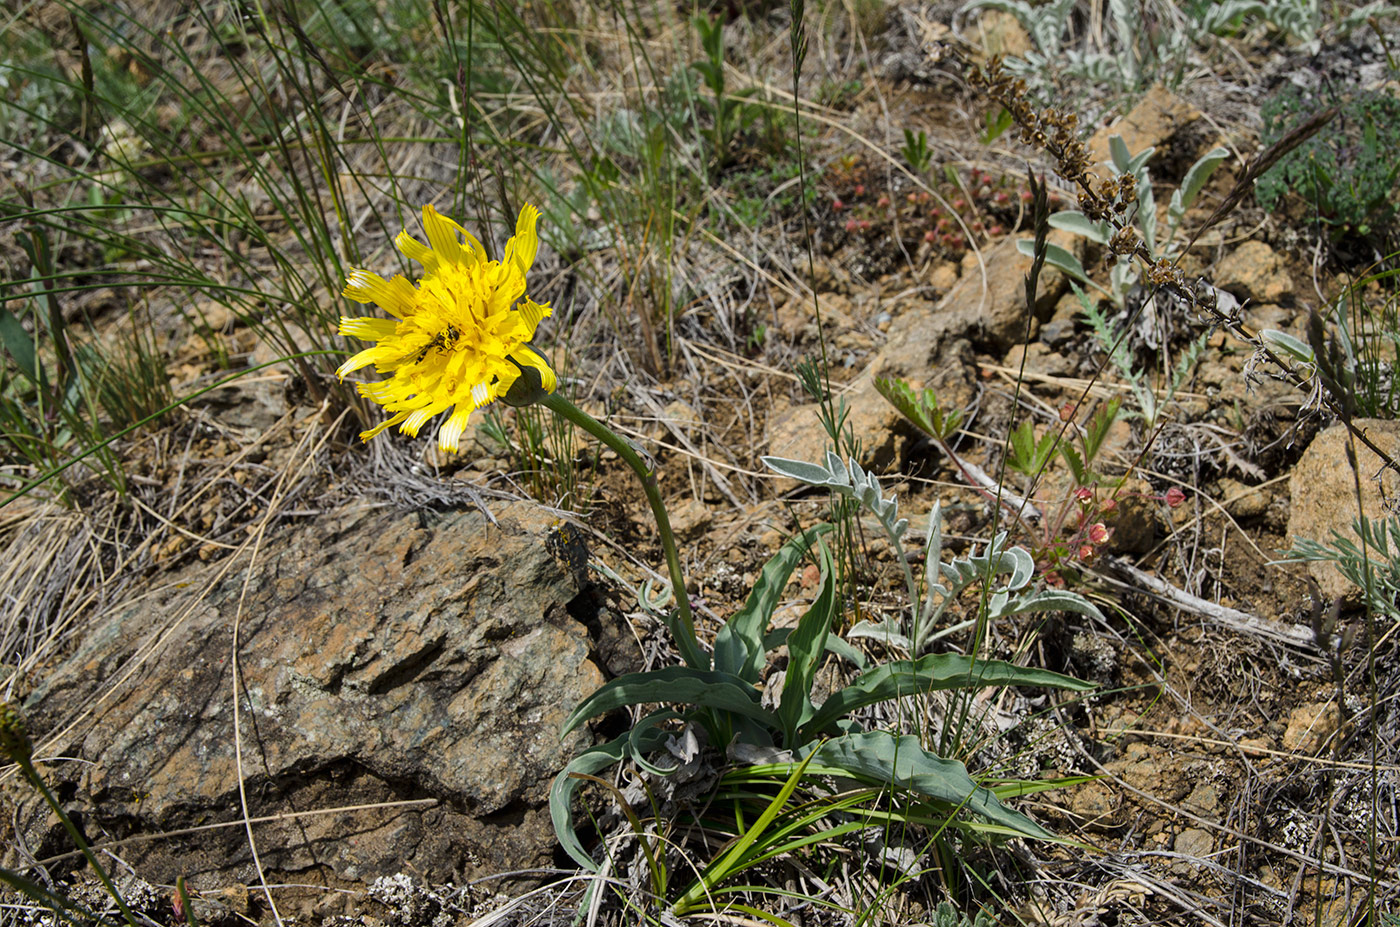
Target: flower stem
(681, 621)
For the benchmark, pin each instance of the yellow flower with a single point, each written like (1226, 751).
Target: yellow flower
(458, 340)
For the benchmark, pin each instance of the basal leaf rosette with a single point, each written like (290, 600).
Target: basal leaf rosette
(459, 339)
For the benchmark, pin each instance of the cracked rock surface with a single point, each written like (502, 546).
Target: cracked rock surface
(383, 656)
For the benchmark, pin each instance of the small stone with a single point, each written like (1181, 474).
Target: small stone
(1039, 359)
(1243, 501)
(1204, 800)
(1002, 34)
(1194, 842)
(943, 276)
(1256, 272)
(1095, 804)
(1310, 726)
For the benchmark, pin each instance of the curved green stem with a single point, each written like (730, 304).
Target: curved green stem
(682, 622)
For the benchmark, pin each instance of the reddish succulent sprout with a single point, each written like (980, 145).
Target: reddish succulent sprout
(837, 205)
(1001, 198)
(852, 225)
(912, 198)
(924, 197)
(930, 236)
(935, 212)
(957, 241)
(976, 226)
(864, 224)
(859, 190)
(882, 202)
(942, 225)
(1027, 196)
(996, 230)
(959, 204)
(1175, 497)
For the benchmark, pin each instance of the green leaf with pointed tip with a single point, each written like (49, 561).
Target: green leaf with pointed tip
(920, 408)
(882, 758)
(806, 646)
(681, 685)
(930, 673)
(20, 344)
(739, 644)
(591, 761)
(1058, 258)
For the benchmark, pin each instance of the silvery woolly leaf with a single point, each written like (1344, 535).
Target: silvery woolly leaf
(838, 470)
(799, 470)
(899, 527)
(886, 632)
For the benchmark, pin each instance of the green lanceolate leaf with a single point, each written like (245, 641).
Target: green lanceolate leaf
(1074, 221)
(930, 673)
(591, 761)
(739, 644)
(806, 645)
(1058, 258)
(920, 408)
(882, 758)
(674, 685)
(20, 344)
(1192, 184)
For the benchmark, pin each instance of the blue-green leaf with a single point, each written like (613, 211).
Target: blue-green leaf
(739, 644)
(674, 685)
(1050, 600)
(589, 762)
(800, 470)
(806, 645)
(20, 344)
(1056, 257)
(1074, 221)
(930, 673)
(882, 758)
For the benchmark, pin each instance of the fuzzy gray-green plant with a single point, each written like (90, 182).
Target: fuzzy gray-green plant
(1369, 558)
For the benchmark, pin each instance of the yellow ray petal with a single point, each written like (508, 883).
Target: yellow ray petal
(450, 434)
(395, 296)
(387, 423)
(368, 329)
(442, 236)
(416, 420)
(527, 356)
(363, 359)
(415, 250)
(532, 312)
(523, 247)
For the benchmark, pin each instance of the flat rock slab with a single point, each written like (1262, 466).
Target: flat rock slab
(383, 656)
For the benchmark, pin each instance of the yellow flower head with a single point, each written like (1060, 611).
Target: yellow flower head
(458, 340)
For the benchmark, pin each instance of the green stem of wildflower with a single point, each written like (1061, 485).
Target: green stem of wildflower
(682, 622)
(30, 773)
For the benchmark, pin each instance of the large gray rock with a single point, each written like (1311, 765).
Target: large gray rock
(383, 656)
